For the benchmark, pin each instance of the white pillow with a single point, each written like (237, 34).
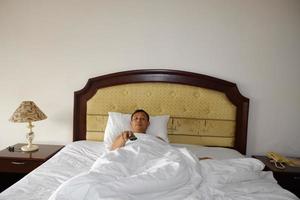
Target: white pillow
(118, 122)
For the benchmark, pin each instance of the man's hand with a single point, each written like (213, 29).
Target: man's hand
(126, 134)
(121, 140)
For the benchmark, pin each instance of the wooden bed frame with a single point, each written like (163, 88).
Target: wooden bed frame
(164, 76)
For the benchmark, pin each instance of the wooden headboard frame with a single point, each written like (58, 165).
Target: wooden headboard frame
(166, 76)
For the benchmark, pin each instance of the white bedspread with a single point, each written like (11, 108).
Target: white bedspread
(73, 159)
(227, 176)
(150, 169)
(239, 179)
(147, 168)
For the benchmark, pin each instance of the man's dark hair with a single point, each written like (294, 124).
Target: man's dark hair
(140, 110)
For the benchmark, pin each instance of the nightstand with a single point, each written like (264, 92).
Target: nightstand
(288, 178)
(16, 164)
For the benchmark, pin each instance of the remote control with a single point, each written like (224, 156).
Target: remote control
(132, 137)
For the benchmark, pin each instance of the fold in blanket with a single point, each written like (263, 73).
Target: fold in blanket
(146, 168)
(149, 168)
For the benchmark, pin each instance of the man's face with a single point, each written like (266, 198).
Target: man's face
(139, 122)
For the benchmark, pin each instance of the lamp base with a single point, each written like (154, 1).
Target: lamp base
(28, 148)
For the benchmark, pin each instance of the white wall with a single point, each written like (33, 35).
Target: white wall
(48, 50)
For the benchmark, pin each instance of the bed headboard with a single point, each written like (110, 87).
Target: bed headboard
(203, 110)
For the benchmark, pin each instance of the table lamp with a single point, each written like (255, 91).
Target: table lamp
(28, 112)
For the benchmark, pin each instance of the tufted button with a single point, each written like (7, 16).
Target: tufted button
(148, 94)
(172, 93)
(125, 92)
(112, 107)
(197, 94)
(206, 110)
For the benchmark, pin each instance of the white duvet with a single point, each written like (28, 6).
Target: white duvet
(148, 168)
(239, 179)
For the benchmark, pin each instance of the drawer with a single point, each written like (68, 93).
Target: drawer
(18, 166)
(289, 181)
(287, 177)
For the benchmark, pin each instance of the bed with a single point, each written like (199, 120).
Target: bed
(207, 117)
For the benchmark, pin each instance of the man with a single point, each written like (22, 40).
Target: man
(139, 124)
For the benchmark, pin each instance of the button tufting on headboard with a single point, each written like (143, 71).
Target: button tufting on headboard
(188, 107)
(209, 110)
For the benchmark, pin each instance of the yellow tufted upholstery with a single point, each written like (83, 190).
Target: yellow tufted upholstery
(198, 115)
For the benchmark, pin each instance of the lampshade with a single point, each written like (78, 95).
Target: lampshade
(28, 112)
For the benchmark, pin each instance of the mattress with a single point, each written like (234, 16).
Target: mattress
(79, 157)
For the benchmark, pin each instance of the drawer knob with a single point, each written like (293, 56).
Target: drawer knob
(296, 177)
(17, 163)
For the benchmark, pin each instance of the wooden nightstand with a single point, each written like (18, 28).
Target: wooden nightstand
(288, 178)
(16, 164)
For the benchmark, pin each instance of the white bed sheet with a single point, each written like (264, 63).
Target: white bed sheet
(219, 153)
(79, 157)
(70, 161)
(144, 169)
